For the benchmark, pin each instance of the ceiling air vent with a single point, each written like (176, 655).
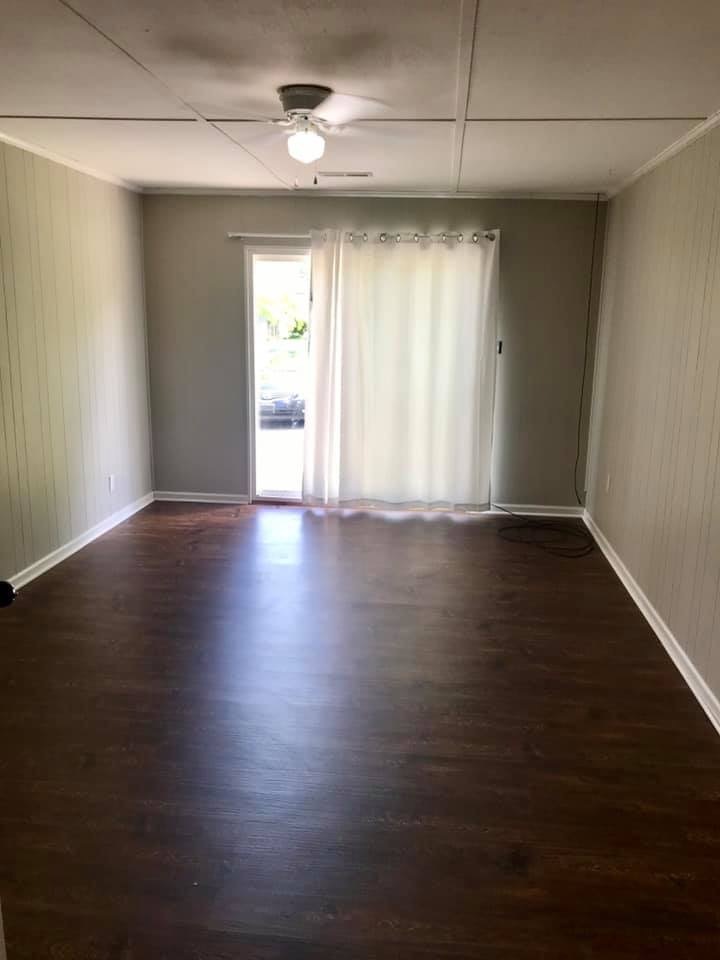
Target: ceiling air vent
(345, 174)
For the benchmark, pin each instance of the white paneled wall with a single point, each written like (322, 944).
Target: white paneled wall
(73, 370)
(655, 478)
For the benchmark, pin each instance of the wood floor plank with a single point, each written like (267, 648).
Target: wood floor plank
(274, 732)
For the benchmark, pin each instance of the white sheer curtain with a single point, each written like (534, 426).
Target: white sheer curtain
(402, 372)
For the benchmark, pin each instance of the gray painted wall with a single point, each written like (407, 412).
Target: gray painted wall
(196, 303)
(73, 370)
(656, 413)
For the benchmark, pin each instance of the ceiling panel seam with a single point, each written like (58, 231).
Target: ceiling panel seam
(198, 116)
(466, 48)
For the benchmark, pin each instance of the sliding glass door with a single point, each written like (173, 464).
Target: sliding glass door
(280, 308)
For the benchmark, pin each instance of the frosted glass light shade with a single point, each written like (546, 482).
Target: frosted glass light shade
(306, 146)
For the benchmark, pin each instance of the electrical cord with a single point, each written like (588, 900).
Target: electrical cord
(588, 317)
(561, 539)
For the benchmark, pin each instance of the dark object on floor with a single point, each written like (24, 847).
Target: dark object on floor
(7, 593)
(568, 539)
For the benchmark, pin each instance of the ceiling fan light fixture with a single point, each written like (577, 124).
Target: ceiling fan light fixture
(306, 145)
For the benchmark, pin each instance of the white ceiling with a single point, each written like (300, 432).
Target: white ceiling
(401, 156)
(51, 63)
(161, 153)
(593, 155)
(596, 58)
(228, 58)
(498, 96)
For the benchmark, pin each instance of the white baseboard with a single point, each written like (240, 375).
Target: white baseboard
(524, 509)
(537, 510)
(704, 695)
(185, 497)
(67, 549)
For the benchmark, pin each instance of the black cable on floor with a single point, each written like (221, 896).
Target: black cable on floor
(561, 539)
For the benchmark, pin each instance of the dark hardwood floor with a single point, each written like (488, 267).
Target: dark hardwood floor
(270, 732)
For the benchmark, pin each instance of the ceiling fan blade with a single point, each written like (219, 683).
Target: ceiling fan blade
(256, 134)
(370, 131)
(341, 108)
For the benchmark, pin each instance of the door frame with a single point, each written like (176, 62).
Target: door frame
(272, 251)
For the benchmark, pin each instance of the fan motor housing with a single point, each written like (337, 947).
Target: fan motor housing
(302, 98)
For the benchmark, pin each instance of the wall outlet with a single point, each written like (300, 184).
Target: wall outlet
(111, 482)
(607, 484)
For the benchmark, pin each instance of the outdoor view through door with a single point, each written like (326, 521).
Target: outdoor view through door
(281, 313)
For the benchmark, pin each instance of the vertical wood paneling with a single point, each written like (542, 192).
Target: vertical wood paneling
(73, 366)
(8, 551)
(657, 407)
(68, 349)
(15, 432)
(49, 531)
(78, 256)
(11, 543)
(53, 357)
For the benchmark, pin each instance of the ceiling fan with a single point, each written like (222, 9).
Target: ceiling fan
(311, 111)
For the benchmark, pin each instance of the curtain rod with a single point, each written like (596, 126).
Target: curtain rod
(417, 237)
(382, 237)
(268, 236)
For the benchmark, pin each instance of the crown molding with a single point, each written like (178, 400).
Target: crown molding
(366, 194)
(670, 151)
(66, 162)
